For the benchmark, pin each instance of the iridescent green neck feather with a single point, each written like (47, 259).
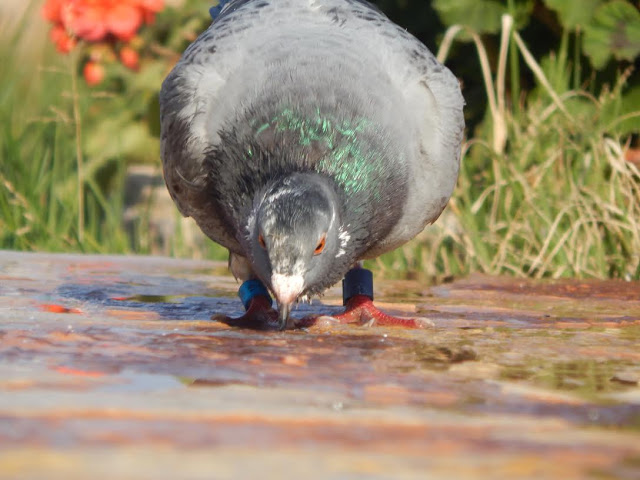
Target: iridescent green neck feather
(348, 154)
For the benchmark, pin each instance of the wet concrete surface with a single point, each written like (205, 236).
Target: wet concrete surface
(110, 367)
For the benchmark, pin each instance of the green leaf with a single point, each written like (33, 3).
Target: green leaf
(482, 16)
(120, 136)
(614, 31)
(622, 111)
(574, 14)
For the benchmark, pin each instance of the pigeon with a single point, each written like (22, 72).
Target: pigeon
(306, 136)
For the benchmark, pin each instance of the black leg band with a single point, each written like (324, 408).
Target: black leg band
(357, 281)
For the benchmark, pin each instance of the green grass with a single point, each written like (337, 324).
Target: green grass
(41, 199)
(43, 204)
(544, 189)
(560, 202)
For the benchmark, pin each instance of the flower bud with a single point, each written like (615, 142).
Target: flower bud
(93, 73)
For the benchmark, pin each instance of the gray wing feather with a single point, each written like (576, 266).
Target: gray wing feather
(183, 152)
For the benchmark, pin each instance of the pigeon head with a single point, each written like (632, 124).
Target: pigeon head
(295, 237)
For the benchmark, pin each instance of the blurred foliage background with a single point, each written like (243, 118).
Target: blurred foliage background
(549, 185)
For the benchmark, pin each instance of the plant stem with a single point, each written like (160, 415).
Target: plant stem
(537, 71)
(445, 45)
(577, 67)
(514, 68)
(77, 120)
(507, 24)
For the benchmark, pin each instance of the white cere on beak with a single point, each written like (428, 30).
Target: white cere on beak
(287, 288)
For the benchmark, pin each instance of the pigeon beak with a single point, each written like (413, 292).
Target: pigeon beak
(287, 289)
(283, 315)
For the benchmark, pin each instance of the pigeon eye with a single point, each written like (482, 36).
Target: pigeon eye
(321, 244)
(261, 241)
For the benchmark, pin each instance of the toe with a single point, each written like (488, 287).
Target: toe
(369, 323)
(220, 317)
(254, 319)
(424, 323)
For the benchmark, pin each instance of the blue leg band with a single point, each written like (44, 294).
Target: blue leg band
(250, 289)
(357, 281)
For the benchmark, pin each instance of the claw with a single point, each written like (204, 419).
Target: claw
(259, 316)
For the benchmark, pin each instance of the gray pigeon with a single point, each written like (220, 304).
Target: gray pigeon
(306, 136)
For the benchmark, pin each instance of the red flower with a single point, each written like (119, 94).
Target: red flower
(93, 73)
(150, 5)
(64, 43)
(52, 10)
(129, 58)
(95, 20)
(124, 20)
(103, 23)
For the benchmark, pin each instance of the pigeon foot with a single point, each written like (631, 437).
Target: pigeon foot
(360, 309)
(259, 316)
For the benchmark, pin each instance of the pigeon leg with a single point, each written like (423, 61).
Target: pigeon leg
(255, 297)
(357, 291)
(360, 309)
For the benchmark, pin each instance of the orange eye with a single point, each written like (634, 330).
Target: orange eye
(321, 244)
(262, 242)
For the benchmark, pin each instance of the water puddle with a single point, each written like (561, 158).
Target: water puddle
(129, 381)
(588, 378)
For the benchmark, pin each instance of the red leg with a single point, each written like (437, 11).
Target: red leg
(259, 316)
(360, 309)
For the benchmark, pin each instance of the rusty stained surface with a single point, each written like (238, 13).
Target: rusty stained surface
(111, 368)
